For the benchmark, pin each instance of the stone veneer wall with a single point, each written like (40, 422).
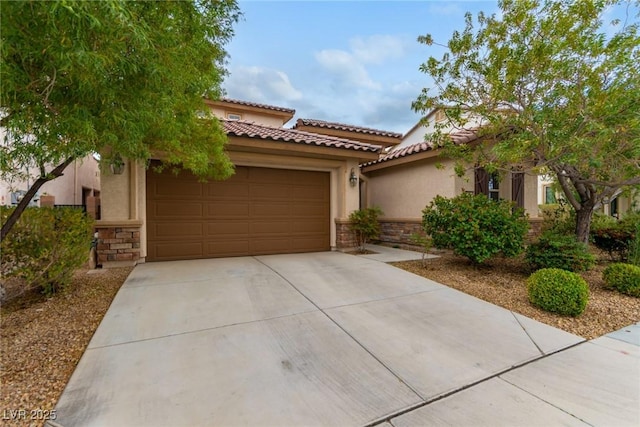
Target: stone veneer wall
(399, 231)
(118, 244)
(344, 236)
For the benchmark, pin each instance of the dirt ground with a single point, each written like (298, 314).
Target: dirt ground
(42, 339)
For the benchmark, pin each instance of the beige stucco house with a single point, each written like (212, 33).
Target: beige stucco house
(79, 185)
(407, 177)
(292, 192)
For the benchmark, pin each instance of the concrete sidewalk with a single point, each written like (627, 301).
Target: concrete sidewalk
(335, 339)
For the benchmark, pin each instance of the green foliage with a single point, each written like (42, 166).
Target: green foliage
(551, 81)
(624, 278)
(558, 218)
(475, 226)
(46, 246)
(558, 291)
(634, 247)
(121, 78)
(616, 237)
(365, 225)
(559, 251)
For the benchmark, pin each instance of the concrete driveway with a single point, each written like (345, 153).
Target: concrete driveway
(334, 339)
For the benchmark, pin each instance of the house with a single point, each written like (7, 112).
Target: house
(549, 194)
(79, 186)
(403, 181)
(293, 191)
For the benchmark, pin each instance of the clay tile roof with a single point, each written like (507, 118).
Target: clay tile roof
(341, 126)
(458, 137)
(254, 130)
(255, 104)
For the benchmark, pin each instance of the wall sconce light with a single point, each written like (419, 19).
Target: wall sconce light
(117, 165)
(353, 178)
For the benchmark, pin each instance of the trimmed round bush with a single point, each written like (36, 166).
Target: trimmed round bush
(624, 278)
(558, 291)
(559, 251)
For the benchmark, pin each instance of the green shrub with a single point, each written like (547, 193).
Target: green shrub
(46, 246)
(558, 291)
(634, 248)
(615, 237)
(559, 251)
(624, 278)
(475, 226)
(365, 225)
(558, 218)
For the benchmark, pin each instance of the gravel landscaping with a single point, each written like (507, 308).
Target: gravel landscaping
(43, 339)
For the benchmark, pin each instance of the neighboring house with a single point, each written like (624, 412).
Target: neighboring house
(548, 194)
(407, 178)
(292, 192)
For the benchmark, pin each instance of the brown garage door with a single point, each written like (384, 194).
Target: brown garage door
(258, 211)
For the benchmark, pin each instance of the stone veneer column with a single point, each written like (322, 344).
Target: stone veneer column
(345, 238)
(118, 245)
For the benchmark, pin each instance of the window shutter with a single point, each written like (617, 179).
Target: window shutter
(517, 188)
(481, 182)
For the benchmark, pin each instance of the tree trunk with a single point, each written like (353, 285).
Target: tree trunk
(15, 215)
(583, 223)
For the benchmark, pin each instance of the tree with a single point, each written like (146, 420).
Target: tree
(552, 91)
(122, 78)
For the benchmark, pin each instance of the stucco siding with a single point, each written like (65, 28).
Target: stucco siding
(404, 191)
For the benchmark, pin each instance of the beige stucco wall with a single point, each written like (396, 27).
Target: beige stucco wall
(124, 196)
(403, 191)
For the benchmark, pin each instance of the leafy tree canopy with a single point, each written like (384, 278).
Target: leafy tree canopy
(554, 85)
(123, 78)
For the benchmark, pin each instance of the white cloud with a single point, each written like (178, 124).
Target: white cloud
(260, 84)
(347, 67)
(377, 48)
(445, 9)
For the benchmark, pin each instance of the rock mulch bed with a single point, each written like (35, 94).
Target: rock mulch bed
(42, 340)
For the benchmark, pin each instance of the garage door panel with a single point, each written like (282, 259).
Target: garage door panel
(237, 228)
(281, 176)
(275, 209)
(311, 193)
(177, 187)
(172, 230)
(227, 190)
(257, 211)
(307, 209)
(171, 209)
(167, 251)
(259, 228)
(228, 210)
(227, 248)
(308, 226)
(270, 192)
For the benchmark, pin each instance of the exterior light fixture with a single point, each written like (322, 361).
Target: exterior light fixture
(117, 165)
(353, 178)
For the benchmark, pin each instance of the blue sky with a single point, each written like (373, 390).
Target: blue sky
(353, 62)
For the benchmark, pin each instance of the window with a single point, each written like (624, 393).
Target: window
(487, 184)
(233, 116)
(440, 116)
(613, 208)
(494, 187)
(549, 195)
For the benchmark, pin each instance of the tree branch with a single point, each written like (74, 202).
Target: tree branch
(22, 205)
